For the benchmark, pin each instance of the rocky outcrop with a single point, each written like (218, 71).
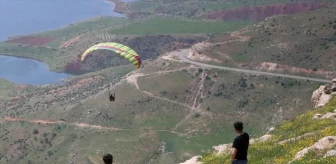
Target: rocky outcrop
(222, 149)
(319, 98)
(324, 143)
(297, 138)
(263, 138)
(322, 95)
(325, 116)
(195, 55)
(193, 160)
(330, 154)
(226, 148)
(259, 13)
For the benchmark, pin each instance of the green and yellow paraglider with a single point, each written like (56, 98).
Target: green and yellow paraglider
(118, 48)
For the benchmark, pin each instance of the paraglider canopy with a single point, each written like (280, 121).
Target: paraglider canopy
(118, 48)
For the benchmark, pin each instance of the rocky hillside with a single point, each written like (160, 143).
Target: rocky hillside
(168, 109)
(149, 46)
(302, 44)
(309, 138)
(259, 13)
(224, 10)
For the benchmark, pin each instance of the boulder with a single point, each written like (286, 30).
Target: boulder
(330, 153)
(193, 160)
(322, 95)
(316, 116)
(222, 149)
(261, 139)
(324, 143)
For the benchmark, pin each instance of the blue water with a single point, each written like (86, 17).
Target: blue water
(28, 71)
(21, 17)
(30, 16)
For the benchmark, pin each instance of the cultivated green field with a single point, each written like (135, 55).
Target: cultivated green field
(86, 26)
(179, 26)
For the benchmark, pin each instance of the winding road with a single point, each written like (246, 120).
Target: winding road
(182, 54)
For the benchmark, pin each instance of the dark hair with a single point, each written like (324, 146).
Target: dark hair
(108, 159)
(238, 126)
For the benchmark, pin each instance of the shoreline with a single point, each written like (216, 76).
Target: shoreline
(62, 82)
(34, 59)
(120, 6)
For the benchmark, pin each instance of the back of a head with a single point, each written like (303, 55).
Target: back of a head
(108, 159)
(238, 126)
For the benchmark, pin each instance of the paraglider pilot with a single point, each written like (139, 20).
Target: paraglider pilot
(112, 97)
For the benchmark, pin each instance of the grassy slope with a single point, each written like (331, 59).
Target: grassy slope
(21, 145)
(272, 152)
(6, 87)
(136, 112)
(71, 144)
(153, 119)
(225, 101)
(305, 40)
(85, 26)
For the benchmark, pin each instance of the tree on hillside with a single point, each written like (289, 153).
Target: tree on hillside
(35, 131)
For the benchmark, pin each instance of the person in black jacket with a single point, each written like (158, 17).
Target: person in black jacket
(108, 159)
(240, 145)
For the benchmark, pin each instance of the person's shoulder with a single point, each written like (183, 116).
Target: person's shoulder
(236, 139)
(247, 135)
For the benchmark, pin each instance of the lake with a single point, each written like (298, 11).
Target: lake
(31, 16)
(21, 17)
(28, 71)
